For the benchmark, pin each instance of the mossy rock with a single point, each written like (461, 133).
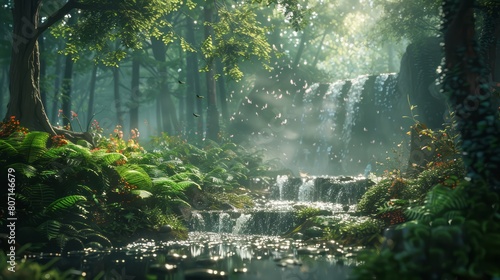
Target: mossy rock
(375, 197)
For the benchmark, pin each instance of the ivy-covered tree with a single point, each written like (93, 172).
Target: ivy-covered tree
(467, 81)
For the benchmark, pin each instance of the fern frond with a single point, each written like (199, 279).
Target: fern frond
(215, 180)
(141, 193)
(7, 149)
(34, 145)
(134, 175)
(50, 229)
(38, 195)
(79, 151)
(64, 203)
(107, 158)
(26, 170)
(178, 201)
(186, 184)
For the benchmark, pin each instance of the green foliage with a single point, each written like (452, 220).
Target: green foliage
(375, 197)
(28, 269)
(225, 165)
(134, 175)
(303, 214)
(352, 231)
(454, 234)
(412, 20)
(99, 23)
(239, 36)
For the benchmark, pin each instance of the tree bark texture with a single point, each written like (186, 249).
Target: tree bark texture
(90, 106)
(66, 90)
(193, 86)
(135, 93)
(221, 82)
(169, 120)
(213, 127)
(117, 97)
(466, 82)
(25, 100)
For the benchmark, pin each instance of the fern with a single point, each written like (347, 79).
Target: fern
(141, 193)
(7, 149)
(107, 158)
(34, 145)
(38, 195)
(186, 184)
(134, 175)
(64, 203)
(50, 229)
(26, 170)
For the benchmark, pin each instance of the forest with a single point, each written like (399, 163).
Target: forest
(259, 139)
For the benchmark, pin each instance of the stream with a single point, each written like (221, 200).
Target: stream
(238, 244)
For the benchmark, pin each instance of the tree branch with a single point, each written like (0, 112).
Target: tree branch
(55, 17)
(70, 5)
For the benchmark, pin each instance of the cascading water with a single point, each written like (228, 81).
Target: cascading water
(241, 223)
(288, 194)
(306, 190)
(334, 128)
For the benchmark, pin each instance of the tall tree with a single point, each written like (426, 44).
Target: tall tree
(128, 21)
(169, 122)
(467, 83)
(213, 127)
(134, 92)
(193, 84)
(90, 106)
(116, 96)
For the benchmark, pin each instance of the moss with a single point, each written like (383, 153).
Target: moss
(375, 197)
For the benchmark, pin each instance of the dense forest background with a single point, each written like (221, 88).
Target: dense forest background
(168, 83)
(185, 73)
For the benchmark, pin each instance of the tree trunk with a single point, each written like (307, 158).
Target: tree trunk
(117, 101)
(212, 111)
(193, 86)
(25, 100)
(90, 107)
(3, 91)
(57, 84)
(135, 93)
(66, 90)
(488, 39)
(168, 112)
(221, 82)
(466, 82)
(302, 46)
(43, 72)
(318, 52)
(184, 98)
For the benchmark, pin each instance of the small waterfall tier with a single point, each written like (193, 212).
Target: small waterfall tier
(256, 221)
(334, 189)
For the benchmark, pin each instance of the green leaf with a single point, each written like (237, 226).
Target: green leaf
(25, 169)
(50, 229)
(134, 175)
(64, 203)
(7, 150)
(34, 145)
(108, 158)
(141, 193)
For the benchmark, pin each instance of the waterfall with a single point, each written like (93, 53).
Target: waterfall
(241, 223)
(225, 222)
(334, 189)
(351, 111)
(197, 221)
(306, 190)
(280, 182)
